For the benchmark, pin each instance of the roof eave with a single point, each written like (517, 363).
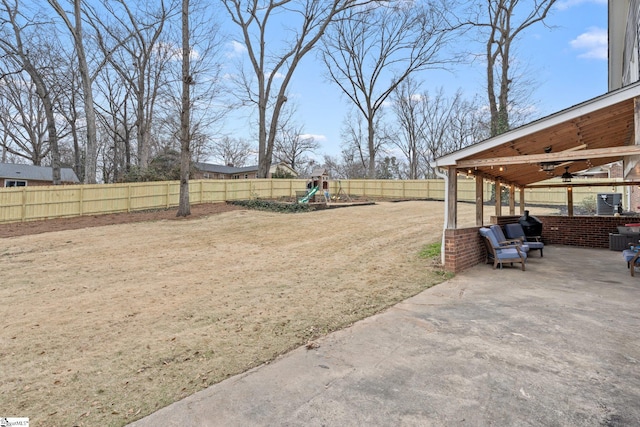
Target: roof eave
(568, 114)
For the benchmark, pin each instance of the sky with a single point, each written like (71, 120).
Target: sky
(567, 59)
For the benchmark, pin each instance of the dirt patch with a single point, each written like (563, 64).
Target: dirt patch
(37, 227)
(105, 324)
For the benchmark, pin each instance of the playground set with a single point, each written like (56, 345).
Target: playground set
(319, 182)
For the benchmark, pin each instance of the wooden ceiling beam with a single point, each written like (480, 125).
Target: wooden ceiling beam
(627, 150)
(577, 182)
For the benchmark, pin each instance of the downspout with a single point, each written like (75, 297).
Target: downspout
(446, 209)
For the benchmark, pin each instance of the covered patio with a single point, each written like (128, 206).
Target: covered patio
(600, 131)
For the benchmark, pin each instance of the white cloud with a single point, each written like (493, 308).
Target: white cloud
(236, 49)
(315, 137)
(594, 43)
(567, 4)
(275, 76)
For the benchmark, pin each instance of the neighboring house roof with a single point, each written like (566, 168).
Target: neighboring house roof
(208, 167)
(282, 166)
(229, 170)
(35, 173)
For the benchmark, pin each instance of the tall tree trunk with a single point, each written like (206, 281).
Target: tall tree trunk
(51, 128)
(91, 155)
(143, 140)
(371, 169)
(264, 161)
(491, 60)
(184, 209)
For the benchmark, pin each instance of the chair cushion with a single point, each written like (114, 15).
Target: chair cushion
(514, 231)
(492, 237)
(501, 238)
(497, 230)
(535, 245)
(628, 255)
(509, 253)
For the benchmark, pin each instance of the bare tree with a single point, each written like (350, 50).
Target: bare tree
(22, 117)
(232, 151)
(69, 107)
(306, 22)
(351, 164)
(116, 126)
(501, 22)
(291, 145)
(468, 124)
(208, 106)
(73, 22)
(449, 124)
(430, 126)
(407, 134)
(184, 207)
(373, 50)
(14, 48)
(355, 144)
(134, 47)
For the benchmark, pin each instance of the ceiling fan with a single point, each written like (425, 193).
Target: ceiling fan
(549, 167)
(566, 176)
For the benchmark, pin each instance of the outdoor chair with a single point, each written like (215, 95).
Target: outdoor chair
(497, 230)
(515, 231)
(499, 254)
(632, 256)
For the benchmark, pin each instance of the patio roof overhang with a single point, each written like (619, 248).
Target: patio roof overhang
(594, 133)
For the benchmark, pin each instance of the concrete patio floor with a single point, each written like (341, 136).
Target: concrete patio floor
(556, 345)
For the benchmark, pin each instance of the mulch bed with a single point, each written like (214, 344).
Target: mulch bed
(36, 227)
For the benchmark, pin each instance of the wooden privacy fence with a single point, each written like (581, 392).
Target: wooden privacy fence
(48, 202)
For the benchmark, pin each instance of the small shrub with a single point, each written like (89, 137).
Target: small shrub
(589, 205)
(272, 206)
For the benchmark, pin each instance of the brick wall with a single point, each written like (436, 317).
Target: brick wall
(584, 231)
(464, 248)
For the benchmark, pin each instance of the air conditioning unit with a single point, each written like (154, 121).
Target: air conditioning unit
(608, 203)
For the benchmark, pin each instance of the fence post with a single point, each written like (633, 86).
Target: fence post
(81, 201)
(168, 192)
(128, 197)
(24, 204)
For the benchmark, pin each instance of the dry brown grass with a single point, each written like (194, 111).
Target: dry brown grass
(104, 325)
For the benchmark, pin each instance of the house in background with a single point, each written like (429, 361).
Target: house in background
(14, 175)
(211, 171)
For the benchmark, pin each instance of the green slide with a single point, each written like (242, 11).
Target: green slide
(309, 195)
